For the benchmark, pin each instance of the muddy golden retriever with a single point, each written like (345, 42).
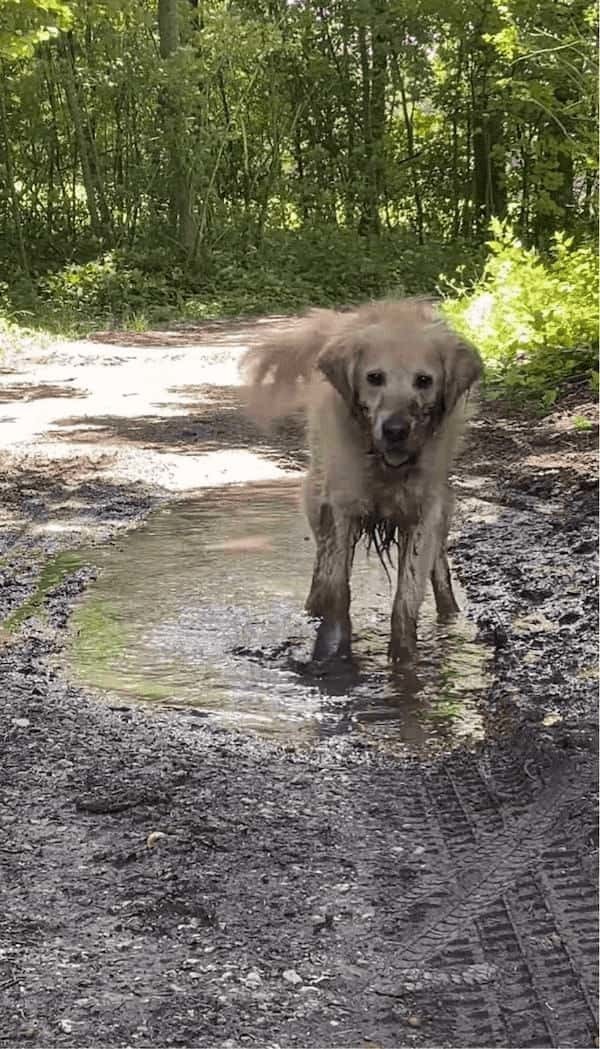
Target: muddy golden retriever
(384, 388)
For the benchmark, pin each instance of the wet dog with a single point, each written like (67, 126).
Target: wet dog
(384, 388)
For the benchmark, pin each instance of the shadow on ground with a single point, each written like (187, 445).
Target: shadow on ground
(36, 392)
(220, 333)
(214, 423)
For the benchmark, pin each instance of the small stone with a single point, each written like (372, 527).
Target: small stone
(531, 657)
(153, 838)
(322, 921)
(533, 623)
(66, 1026)
(413, 1021)
(291, 976)
(21, 722)
(253, 979)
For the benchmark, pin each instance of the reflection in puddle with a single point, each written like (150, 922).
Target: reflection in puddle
(201, 608)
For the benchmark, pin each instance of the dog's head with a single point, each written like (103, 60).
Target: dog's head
(401, 370)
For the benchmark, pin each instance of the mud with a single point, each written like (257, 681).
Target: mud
(167, 881)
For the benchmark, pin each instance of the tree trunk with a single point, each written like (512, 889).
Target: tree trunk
(368, 215)
(489, 194)
(374, 82)
(99, 217)
(168, 27)
(67, 204)
(181, 207)
(10, 176)
(456, 208)
(496, 173)
(299, 161)
(525, 182)
(410, 147)
(379, 78)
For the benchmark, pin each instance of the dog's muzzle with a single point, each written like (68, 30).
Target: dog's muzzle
(393, 445)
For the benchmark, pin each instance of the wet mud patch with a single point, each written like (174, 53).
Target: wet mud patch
(530, 567)
(200, 609)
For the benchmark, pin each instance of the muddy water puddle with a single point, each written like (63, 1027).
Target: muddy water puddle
(200, 609)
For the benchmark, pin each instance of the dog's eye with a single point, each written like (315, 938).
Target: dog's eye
(376, 378)
(422, 380)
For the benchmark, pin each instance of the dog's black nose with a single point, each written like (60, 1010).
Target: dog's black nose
(395, 430)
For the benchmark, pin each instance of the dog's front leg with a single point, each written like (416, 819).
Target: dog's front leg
(416, 553)
(329, 598)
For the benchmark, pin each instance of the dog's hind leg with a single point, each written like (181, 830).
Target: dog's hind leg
(441, 577)
(441, 581)
(329, 598)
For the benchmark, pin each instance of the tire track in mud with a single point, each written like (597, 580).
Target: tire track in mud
(522, 906)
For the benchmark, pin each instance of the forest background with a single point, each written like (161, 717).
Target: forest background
(190, 159)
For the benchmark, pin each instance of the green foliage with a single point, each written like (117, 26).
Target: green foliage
(52, 574)
(534, 318)
(264, 117)
(582, 424)
(174, 160)
(288, 272)
(105, 288)
(26, 23)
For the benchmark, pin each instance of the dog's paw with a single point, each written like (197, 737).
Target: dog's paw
(402, 650)
(333, 642)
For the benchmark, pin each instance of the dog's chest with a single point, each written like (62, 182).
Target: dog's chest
(401, 502)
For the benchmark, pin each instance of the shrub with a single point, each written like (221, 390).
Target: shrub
(534, 318)
(287, 272)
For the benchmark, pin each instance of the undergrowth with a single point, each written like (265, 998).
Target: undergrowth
(288, 272)
(534, 317)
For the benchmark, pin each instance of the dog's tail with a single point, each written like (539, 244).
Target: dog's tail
(277, 371)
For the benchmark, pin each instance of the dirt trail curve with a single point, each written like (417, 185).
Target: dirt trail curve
(165, 883)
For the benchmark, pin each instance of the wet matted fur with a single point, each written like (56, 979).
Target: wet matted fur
(384, 388)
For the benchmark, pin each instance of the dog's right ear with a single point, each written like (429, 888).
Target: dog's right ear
(337, 362)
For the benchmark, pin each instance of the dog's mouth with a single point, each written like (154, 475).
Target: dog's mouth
(396, 460)
(394, 455)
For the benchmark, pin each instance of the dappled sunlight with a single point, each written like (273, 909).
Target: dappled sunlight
(164, 415)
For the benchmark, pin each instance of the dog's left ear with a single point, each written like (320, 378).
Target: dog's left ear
(462, 366)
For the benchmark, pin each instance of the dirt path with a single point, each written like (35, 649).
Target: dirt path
(172, 885)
